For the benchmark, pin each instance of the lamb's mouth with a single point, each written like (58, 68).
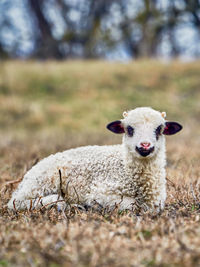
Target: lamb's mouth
(144, 152)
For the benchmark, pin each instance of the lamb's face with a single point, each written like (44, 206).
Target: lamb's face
(144, 130)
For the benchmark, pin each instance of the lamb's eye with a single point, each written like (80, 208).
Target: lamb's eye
(158, 131)
(130, 131)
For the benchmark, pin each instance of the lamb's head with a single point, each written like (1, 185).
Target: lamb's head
(144, 129)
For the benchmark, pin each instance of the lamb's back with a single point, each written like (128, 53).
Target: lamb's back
(77, 161)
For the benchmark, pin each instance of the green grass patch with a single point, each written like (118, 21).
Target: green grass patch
(84, 96)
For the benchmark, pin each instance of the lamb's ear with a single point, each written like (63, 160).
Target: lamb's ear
(172, 127)
(116, 127)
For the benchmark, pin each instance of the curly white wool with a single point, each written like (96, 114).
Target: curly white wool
(108, 175)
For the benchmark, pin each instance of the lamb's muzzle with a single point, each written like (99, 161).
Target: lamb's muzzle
(130, 175)
(144, 152)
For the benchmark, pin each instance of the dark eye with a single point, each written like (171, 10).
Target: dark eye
(158, 131)
(130, 131)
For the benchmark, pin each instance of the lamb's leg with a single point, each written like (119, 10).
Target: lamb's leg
(33, 193)
(37, 203)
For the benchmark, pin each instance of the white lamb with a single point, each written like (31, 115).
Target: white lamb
(130, 175)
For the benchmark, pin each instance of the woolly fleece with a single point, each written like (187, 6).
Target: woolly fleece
(108, 175)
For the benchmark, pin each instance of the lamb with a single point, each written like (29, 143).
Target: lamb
(130, 175)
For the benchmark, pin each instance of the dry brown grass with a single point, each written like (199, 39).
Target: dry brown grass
(80, 238)
(97, 238)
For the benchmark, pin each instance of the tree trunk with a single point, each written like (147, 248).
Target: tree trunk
(47, 45)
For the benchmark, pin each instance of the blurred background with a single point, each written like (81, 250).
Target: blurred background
(109, 29)
(73, 66)
(67, 69)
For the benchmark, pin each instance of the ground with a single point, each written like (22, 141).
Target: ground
(47, 107)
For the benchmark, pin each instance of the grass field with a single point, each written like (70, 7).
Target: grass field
(47, 107)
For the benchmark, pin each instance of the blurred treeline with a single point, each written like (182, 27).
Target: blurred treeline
(62, 29)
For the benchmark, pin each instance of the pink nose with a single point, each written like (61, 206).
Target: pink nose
(145, 145)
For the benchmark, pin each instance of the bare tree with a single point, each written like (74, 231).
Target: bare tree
(92, 28)
(47, 45)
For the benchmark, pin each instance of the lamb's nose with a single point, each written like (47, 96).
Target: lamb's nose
(145, 145)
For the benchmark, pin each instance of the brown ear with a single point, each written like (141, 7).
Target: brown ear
(116, 127)
(172, 127)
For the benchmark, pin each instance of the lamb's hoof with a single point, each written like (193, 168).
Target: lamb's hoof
(87, 207)
(79, 207)
(61, 206)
